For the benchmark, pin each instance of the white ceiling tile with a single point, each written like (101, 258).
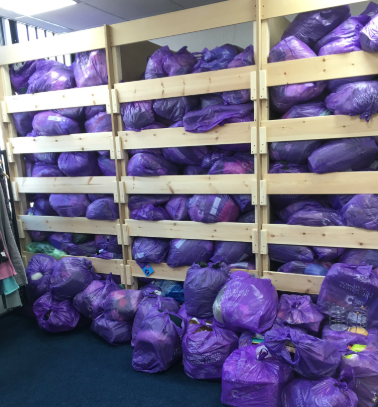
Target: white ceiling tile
(134, 9)
(195, 3)
(79, 17)
(44, 25)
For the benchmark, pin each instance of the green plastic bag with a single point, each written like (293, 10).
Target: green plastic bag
(46, 248)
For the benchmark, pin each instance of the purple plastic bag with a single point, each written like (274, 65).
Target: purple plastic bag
(236, 97)
(246, 303)
(107, 166)
(239, 163)
(43, 204)
(145, 165)
(137, 115)
(294, 267)
(53, 124)
(179, 63)
(343, 155)
(215, 59)
(318, 393)
(338, 201)
(244, 202)
(184, 252)
(55, 316)
(294, 152)
(38, 273)
(311, 26)
(201, 287)
(176, 207)
(20, 74)
(94, 197)
(245, 339)
(284, 97)
(24, 122)
(174, 109)
(251, 377)
(232, 252)
(90, 68)
(37, 236)
(313, 358)
(71, 275)
(146, 150)
(205, 349)
(348, 285)
(247, 118)
(282, 201)
(103, 209)
(137, 201)
(361, 212)
(122, 305)
(353, 99)
(299, 311)
(150, 250)
(81, 164)
(86, 249)
(89, 301)
(328, 253)
(248, 217)
(69, 205)
(158, 342)
(99, 123)
(186, 155)
(285, 253)
(245, 58)
(360, 256)
(342, 339)
(91, 111)
(213, 156)
(286, 168)
(56, 239)
(150, 212)
(41, 169)
(210, 99)
(194, 170)
(317, 217)
(369, 36)
(311, 109)
(307, 204)
(114, 332)
(212, 209)
(50, 76)
(148, 302)
(74, 113)
(155, 64)
(200, 121)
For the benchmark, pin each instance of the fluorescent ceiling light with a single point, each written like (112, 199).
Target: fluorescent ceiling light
(32, 7)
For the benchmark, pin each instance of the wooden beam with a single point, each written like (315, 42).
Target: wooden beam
(233, 232)
(295, 283)
(327, 236)
(177, 137)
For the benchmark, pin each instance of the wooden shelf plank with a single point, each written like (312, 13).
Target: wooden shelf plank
(322, 68)
(60, 144)
(190, 184)
(76, 97)
(234, 133)
(315, 184)
(233, 232)
(327, 236)
(186, 85)
(69, 225)
(296, 283)
(325, 127)
(62, 185)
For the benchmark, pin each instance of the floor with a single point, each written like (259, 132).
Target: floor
(79, 369)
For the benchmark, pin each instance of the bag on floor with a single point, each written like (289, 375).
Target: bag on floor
(361, 212)
(311, 26)
(150, 250)
(147, 165)
(369, 36)
(35, 235)
(311, 109)
(103, 209)
(185, 252)
(285, 253)
(19, 75)
(89, 302)
(24, 122)
(254, 378)
(176, 207)
(245, 339)
(239, 163)
(122, 305)
(342, 339)
(185, 155)
(212, 209)
(108, 243)
(55, 316)
(299, 311)
(215, 59)
(294, 152)
(202, 285)
(232, 252)
(100, 123)
(313, 358)
(205, 348)
(151, 213)
(107, 166)
(171, 289)
(137, 115)
(57, 239)
(114, 332)
(83, 164)
(245, 58)
(86, 249)
(158, 342)
(90, 68)
(38, 273)
(174, 109)
(69, 205)
(137, 201)
(155, 64)
(53, 124)
(246, 303)
(46, 170)
(359, 256)
(179, 63)
(236, 97)
(71, 275)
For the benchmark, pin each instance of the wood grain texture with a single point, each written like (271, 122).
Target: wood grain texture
(296, 283)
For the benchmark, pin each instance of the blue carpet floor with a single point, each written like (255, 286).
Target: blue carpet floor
(79, 369)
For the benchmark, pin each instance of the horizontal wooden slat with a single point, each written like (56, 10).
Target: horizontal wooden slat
(296, 283)
(185, 21)
(276, 8)
(328, 236)
(234, 133)
(77, 97)
(60, 144)
(190, 184)
(62, 185)
(101, 266)
(232, 232)
(322, 68)
(186, 85)
(69, 43)
(315, 184)
(325, 127)
(69, 225)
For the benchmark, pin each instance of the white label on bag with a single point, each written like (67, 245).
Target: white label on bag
(214, 208)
